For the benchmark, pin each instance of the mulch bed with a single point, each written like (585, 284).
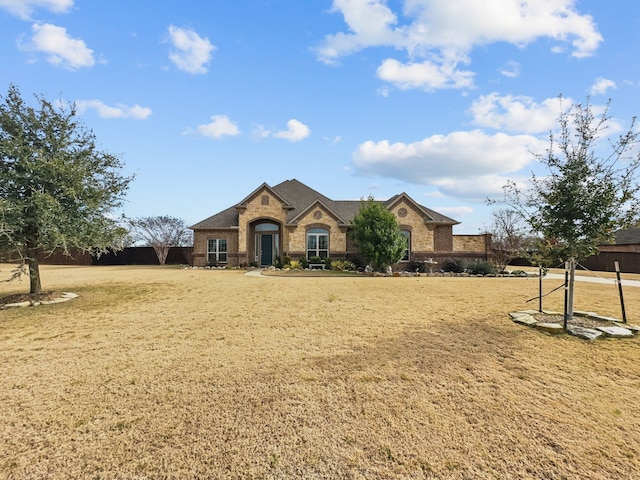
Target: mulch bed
(26, 297)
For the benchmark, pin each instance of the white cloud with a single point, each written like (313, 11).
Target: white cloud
(295, 131)
(24, 8)
(601, 86)
(510, 70)
(427, 75)
(61, 50)
(119, 111)
(517, 113)
(191, 53)
(450, 162)
(440, 34)
(220, 126)
(455, 212)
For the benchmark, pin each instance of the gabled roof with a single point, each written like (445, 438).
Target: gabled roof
(297, 198)
(629, 236)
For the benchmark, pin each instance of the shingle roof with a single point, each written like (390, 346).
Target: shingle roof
(628, 236)
(299, 197)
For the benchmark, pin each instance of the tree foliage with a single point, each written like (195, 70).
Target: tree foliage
(161, 233)
(585, 196)
(376, 232)
(57, 190)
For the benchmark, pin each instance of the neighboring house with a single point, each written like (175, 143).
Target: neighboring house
(291, 219)
(625, 250)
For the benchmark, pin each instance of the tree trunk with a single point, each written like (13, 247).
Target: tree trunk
(572, 279)
(35, 285)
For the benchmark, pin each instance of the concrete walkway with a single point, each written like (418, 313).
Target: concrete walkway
(583, 278)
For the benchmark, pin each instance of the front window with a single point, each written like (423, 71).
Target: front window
(317, 243)
(217, 251)
(407, 250)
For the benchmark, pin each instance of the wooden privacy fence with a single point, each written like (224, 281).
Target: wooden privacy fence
(128, 256)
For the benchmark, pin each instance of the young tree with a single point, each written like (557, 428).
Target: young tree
(508, 235)
(585, 197)
(376, 232)
(57, 190)
(161, 233)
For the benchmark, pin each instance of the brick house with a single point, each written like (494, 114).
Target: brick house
(291, 219)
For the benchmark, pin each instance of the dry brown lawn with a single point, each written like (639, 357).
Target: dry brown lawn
(166, 373)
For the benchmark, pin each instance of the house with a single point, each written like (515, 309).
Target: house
(291, 219)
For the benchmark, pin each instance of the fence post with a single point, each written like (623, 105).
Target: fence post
(624, 313)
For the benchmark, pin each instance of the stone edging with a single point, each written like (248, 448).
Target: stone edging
(617, 330)
(65, 297)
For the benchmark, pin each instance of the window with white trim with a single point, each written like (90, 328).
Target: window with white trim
(317, 242)
(407, 252)
(216, 251)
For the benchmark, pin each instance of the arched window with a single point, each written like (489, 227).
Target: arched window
(407, 252)
(317, 242)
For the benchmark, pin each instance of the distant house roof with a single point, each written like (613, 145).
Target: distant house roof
(628, 237)
(298, 198)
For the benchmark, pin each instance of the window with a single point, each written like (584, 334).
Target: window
(217, 251)
(407, 251)
(317, 243)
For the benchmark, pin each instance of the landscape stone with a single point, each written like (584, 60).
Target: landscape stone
(582, 332)
(553, 328)
(617, 332)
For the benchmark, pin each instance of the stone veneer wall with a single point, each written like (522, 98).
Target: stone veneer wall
(471, 243)
(316, 218)
(422, 235)
(262, 206)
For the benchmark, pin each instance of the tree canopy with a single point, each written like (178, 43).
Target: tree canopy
(589, 191)
(57, 190)
(161, 233)
(376, 232)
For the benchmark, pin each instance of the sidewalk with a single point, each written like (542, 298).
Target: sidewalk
(582, 278)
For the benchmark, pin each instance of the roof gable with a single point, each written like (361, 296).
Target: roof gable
(297, 199)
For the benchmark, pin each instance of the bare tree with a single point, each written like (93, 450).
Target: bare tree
(161, 233)
(508, 236)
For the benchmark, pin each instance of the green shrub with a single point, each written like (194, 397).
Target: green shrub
(418, 267)
(454, 265)
(316, 259)
(304, 263)
(481, 267)
(295, 265)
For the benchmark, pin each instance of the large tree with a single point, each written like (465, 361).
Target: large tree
(376, 232)
(589, 191)
(57, 190)
(161, 233)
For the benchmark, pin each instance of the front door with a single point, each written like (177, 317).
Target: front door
(266, 249)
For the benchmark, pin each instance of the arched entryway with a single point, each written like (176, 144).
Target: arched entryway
(266, 242)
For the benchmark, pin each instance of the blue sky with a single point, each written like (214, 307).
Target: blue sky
(442, 99)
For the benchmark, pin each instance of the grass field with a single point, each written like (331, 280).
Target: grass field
(158, 372)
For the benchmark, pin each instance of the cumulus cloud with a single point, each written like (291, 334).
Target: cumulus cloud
(601, 86)
(190, 52)
(219, 127)
(447, 161)
(61, 50)
(440, 34)
(516, 113)
(296, 131)
(427, 75)
(25, 8)
(119, 111)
